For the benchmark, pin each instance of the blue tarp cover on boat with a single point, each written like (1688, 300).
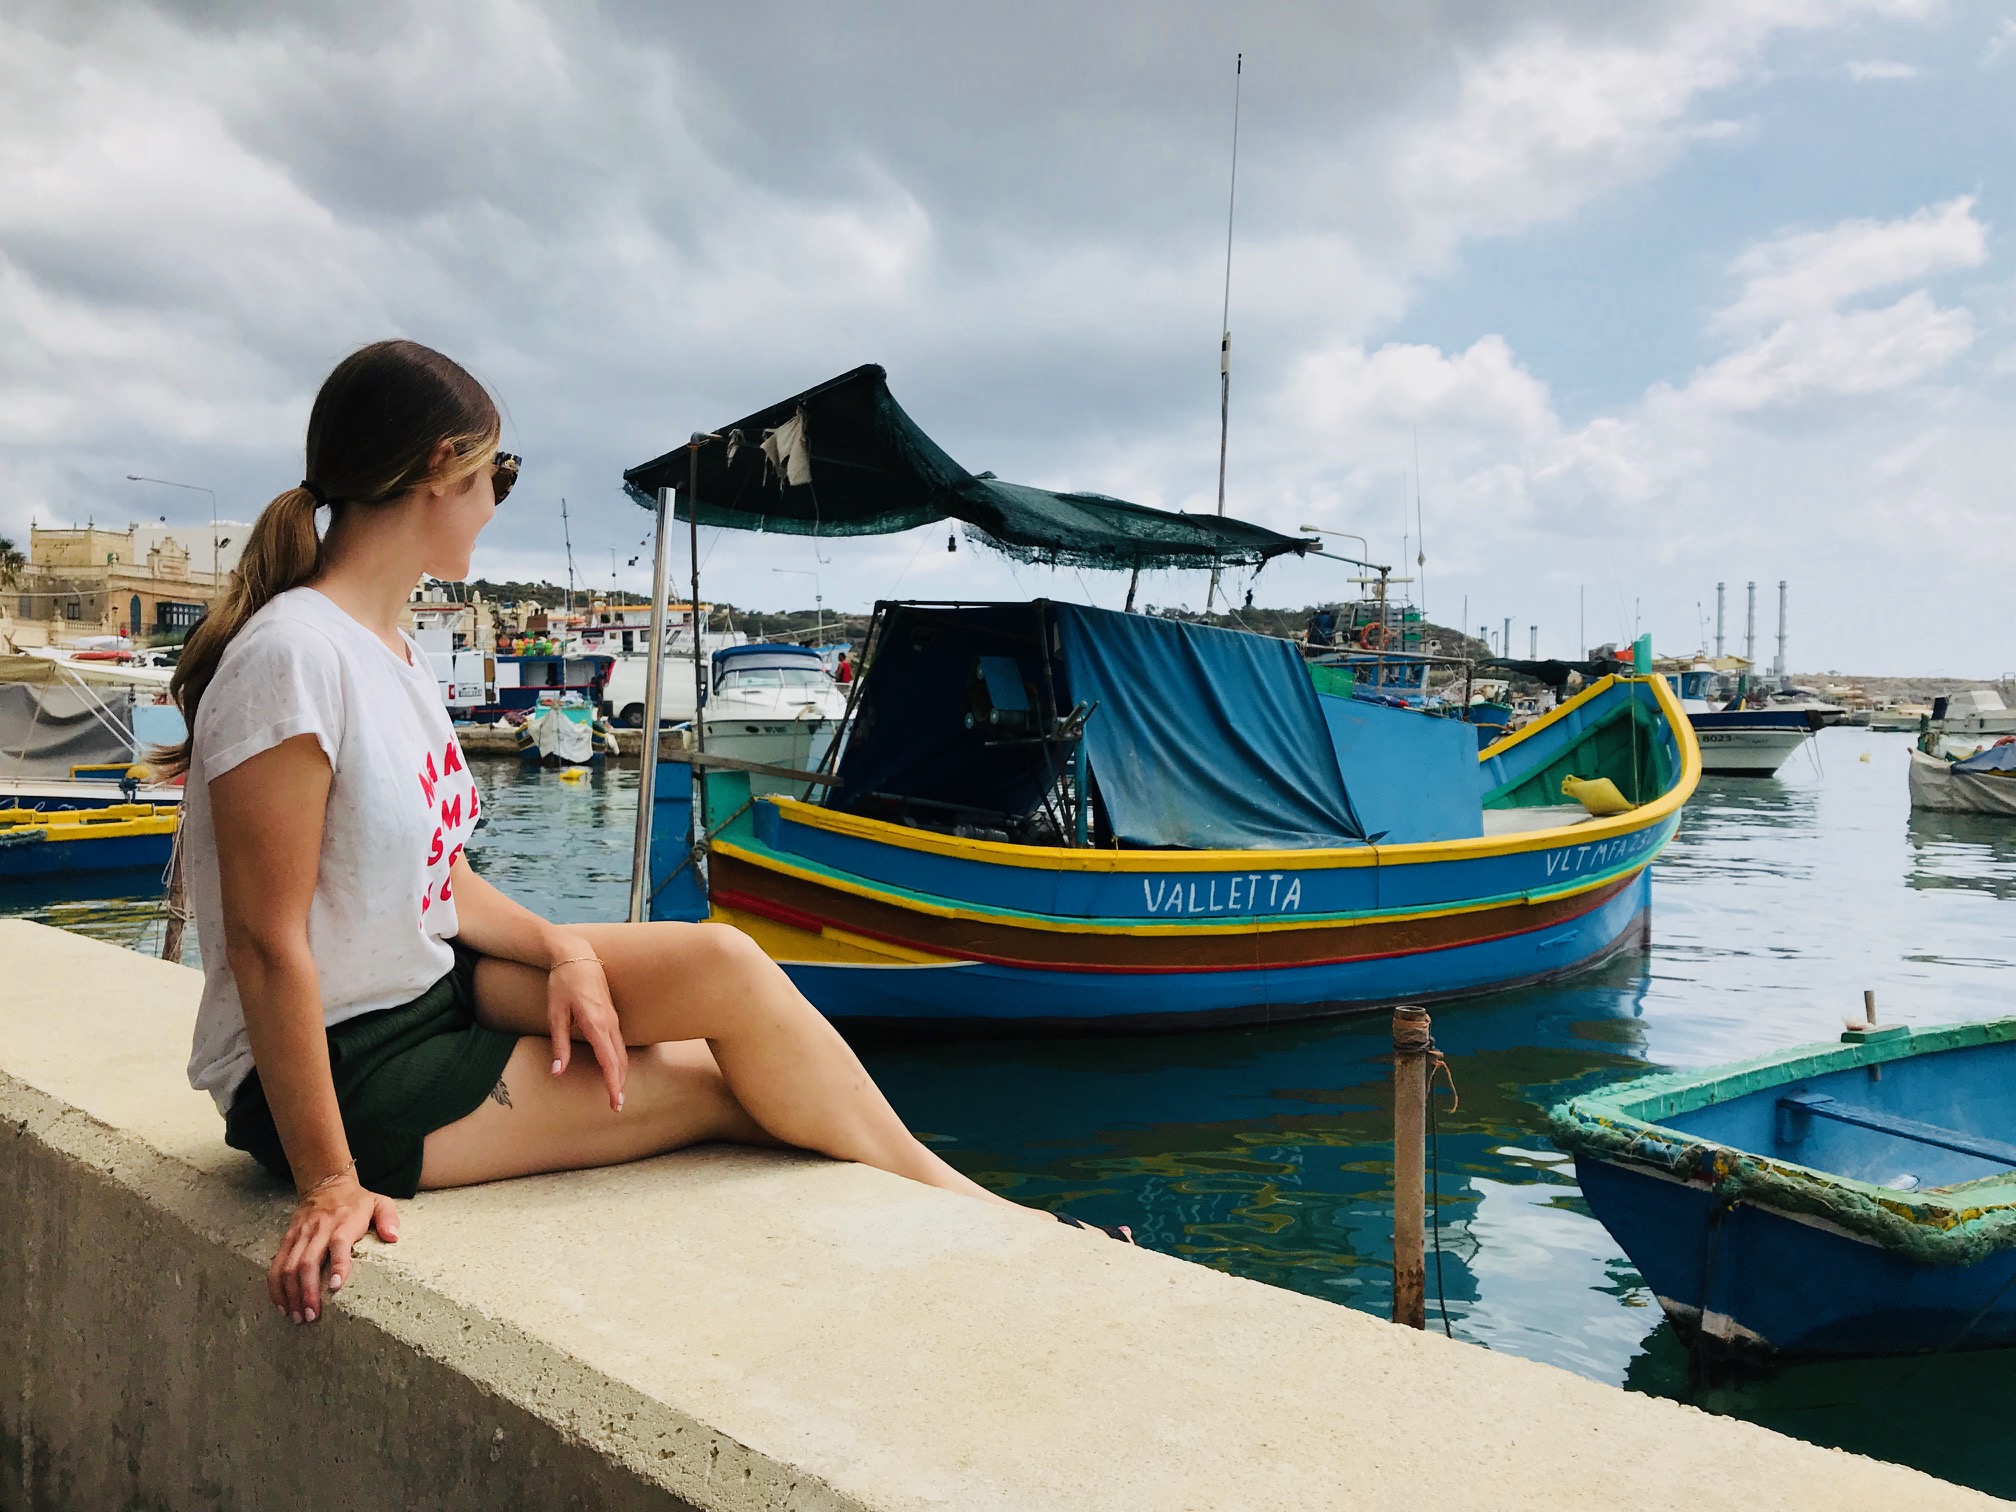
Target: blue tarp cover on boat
(1203, 738)
(1997, 758)
(1207, 739)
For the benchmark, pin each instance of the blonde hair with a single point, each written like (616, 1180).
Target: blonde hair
(372, 433)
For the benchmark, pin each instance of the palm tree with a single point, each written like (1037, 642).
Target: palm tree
(12, 564)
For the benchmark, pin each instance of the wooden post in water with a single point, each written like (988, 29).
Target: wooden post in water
(1410, 1110)
(178, 900)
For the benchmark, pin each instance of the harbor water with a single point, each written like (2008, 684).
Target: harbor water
(1266, 1152)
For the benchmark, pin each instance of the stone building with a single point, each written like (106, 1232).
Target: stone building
(140, 581)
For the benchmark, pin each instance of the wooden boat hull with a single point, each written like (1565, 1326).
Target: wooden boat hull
(993, 996)
(882, 924)
(1747, 1280)
(38, 844)
(1935, 786)
(1882, 1223)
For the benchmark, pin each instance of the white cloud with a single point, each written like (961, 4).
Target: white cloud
(2003, 40)
(1837, 353)
(1819, 270)
(1870, 70)
(631, 223)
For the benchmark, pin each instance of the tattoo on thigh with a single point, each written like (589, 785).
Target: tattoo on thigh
(501, 1094)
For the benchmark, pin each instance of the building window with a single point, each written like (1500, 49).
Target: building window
(172, 615)
(72, 609)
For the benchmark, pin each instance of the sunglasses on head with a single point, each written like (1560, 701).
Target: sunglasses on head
(504, 474)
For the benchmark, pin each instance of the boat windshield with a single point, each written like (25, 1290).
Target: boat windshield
(792, 679)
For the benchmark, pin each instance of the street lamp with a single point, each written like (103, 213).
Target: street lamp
(1348, 535)
(818, 599)
(193, 488)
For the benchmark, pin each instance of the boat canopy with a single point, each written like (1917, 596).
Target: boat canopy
(2000, 757)
(843, 459)
(50, 722)
(763, 654)
(1194, 737)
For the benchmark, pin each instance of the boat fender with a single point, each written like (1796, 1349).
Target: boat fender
(1598, 795)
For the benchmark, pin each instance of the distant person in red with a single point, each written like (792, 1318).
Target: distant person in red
(844, 673)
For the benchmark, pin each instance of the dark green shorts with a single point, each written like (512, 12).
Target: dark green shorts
(400, 1073)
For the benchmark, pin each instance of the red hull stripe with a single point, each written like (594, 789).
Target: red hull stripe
(812, 924)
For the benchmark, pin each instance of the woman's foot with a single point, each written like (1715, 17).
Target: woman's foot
(1118, 1231)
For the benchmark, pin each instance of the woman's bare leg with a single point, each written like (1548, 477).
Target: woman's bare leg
(784, 1066)
(536, 1121)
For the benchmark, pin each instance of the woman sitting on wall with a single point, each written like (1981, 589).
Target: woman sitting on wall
(377, 1018)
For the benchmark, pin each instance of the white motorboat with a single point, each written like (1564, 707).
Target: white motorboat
(1739, 741)
(774, 704)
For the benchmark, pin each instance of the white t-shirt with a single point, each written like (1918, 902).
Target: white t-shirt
(401, 805)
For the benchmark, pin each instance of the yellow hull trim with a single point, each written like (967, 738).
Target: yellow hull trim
(1059, 858)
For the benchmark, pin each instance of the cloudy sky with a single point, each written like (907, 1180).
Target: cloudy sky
(1667, 294)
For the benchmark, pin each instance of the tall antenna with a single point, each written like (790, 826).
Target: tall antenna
(1225, 322)
(567, 536)
(1420, 534)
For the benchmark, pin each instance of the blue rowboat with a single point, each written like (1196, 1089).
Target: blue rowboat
(64, 842)
(1051, 818)
(1839, 1199)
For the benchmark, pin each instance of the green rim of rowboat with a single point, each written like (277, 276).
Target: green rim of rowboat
(1956, 1225)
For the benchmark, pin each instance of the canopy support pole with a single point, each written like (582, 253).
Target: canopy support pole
(700, 438)
(647, 750)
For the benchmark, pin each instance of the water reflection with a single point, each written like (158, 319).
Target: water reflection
(1972, 852)
(1267, 1152)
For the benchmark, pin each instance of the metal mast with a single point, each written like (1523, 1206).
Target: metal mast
(1225, 320)
(1718, 621)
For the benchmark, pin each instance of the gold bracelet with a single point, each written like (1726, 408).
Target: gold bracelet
(574, 960)
(328, 1181)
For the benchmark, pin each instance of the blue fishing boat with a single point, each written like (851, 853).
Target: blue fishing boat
(1837, 1199)
(64, 842)
(1048, 817)
(1052, 817)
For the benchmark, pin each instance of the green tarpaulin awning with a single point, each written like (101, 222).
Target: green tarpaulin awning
(843, 459)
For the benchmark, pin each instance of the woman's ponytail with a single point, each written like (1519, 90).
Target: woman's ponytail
(372, 435)
(282, 552)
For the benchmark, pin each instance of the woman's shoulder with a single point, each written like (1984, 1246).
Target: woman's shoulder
(288, 624)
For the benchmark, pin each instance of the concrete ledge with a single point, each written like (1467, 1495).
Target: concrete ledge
(718, 1329)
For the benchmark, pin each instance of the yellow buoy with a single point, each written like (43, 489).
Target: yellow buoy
(573, 773)
(1865, 756)
(140, 772)
(1599, 795)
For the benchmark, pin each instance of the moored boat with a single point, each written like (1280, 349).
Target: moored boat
(1053, 817)
(1836, 1199)
(1743, 736)
(63, 842)
(1984, 783)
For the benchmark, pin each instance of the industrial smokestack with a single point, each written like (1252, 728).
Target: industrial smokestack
(1505, 640)
(1750, 629)
(1778, 668)
(1718, 622)
(1532, 643)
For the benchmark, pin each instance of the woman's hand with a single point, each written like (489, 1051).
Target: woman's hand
(314, 1255)
(578, 1006)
